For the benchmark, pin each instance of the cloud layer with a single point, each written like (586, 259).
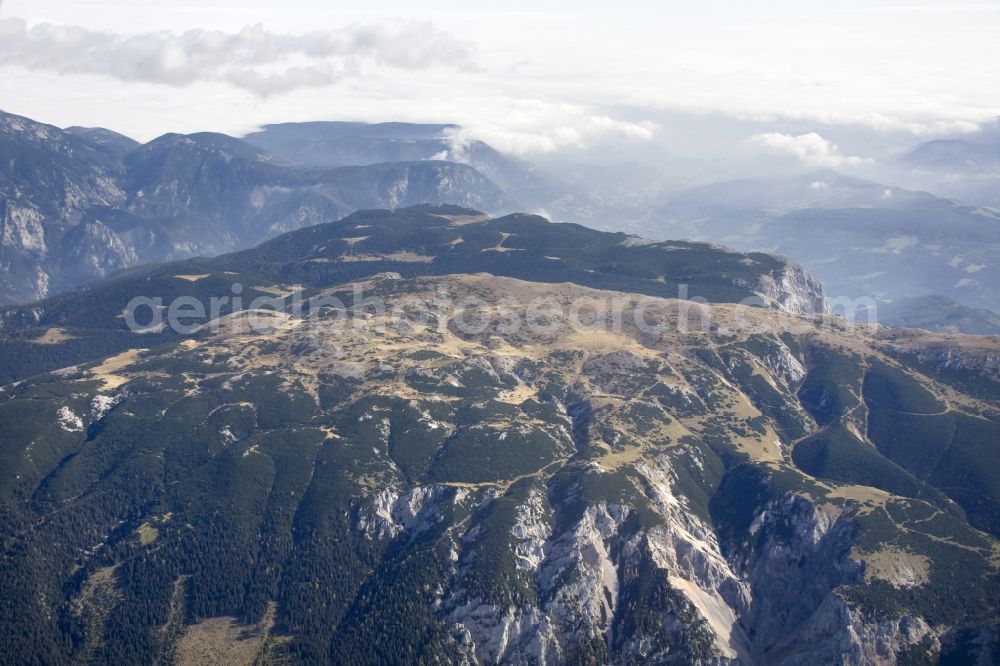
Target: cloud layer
(252, 59)
(811, 149)
(550, 79)
(532, 126)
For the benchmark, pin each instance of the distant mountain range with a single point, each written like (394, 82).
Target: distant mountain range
(858, 237)
(938, 313)
(955, 155)
(333, 144)
(599, 194)
(78, 204)
(81, 203)
(967, 168)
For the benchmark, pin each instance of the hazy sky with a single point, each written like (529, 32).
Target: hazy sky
(527, 76)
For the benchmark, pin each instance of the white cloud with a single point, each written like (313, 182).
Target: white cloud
(934, 8)
(252, 59)
(532, 126)
(811, 149)
(810, 63)
(886, 123)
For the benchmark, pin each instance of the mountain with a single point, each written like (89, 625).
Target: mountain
(954, 155)
(860, 238)
(80, 204)
(966, 169)
(285, 487)
(47, 177)
(333, 143)
(232, 189)
(937, 313)
(817, 189)
(423, 240)
(599, 193)
(118, 145)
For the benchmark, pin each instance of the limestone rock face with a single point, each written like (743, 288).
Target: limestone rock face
(792, 289)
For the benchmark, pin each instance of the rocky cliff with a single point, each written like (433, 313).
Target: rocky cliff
(791, 288)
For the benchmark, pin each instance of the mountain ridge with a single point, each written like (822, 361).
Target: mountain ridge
(417, 241)
(939, 313)
(859, 237)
